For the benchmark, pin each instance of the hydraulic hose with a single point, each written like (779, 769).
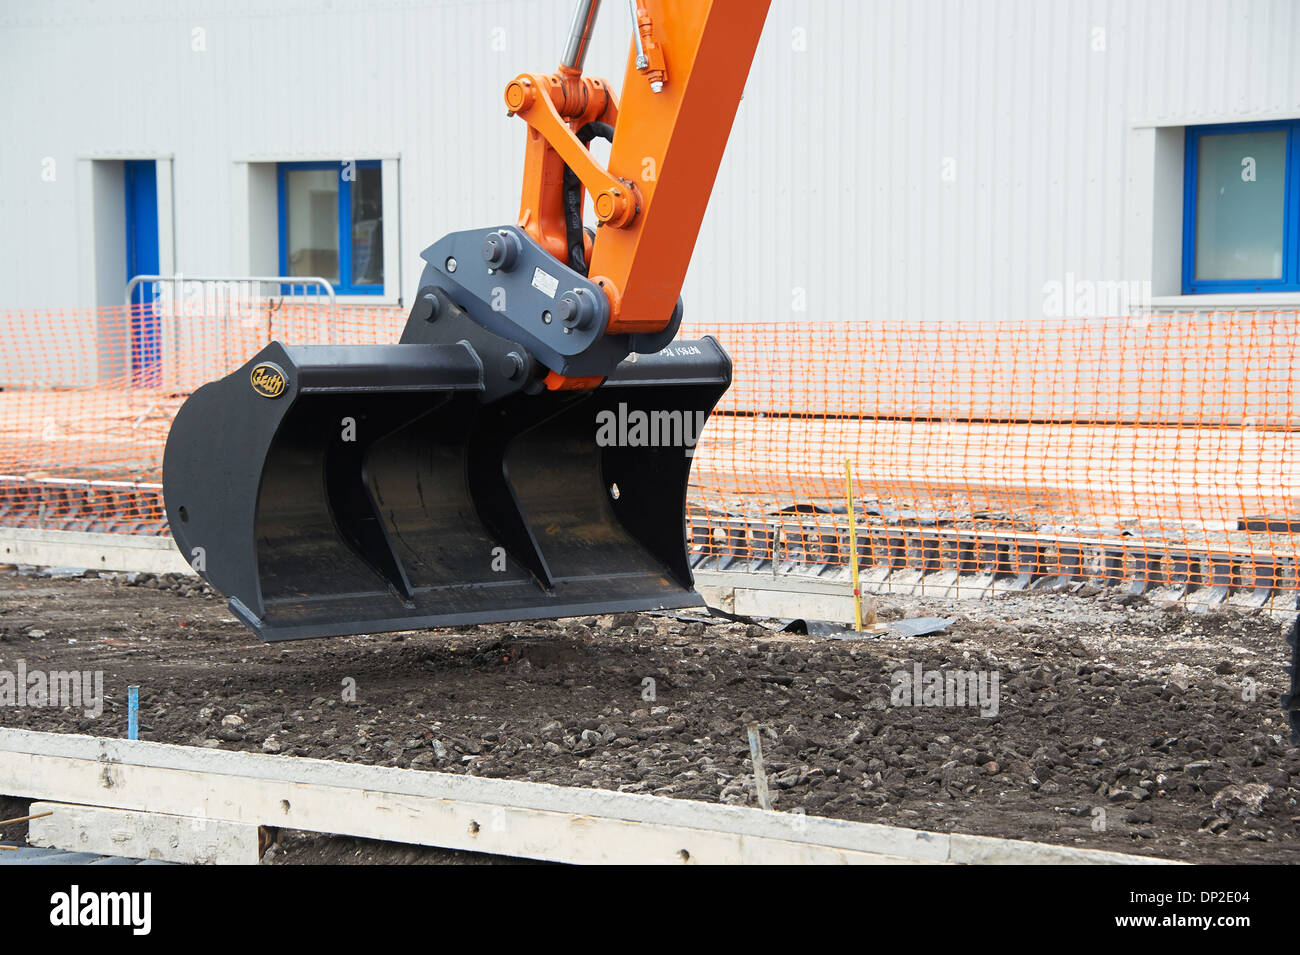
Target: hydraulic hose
(573, 198)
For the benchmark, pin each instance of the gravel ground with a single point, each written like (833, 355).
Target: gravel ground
(1117, 725)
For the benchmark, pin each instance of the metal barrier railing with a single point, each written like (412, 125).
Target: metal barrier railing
(242, 304)
(214, 287)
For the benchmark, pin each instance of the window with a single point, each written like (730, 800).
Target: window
(332, 224)
(1241, 214)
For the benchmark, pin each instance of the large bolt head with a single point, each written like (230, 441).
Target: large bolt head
(576, 309)
(519, 94)
(425, 308)
(501, 250)
(566, 309)
(512, 365)
(615, 206)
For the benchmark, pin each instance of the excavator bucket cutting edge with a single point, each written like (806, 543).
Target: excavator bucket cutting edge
(330, 490)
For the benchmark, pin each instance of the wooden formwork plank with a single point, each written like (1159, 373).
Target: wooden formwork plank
(144, 835)
(521, 819)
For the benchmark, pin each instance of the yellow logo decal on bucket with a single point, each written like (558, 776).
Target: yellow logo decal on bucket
(269, 379)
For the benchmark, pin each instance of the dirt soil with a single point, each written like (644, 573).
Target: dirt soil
(1119, 725)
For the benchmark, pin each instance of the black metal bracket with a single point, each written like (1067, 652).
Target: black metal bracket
(507, 284)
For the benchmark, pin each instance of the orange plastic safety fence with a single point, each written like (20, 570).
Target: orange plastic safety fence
(87, 396)
(1160, 447)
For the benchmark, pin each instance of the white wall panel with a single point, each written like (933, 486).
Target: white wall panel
(832, 182)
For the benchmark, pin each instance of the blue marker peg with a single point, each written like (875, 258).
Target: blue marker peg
(132, 712)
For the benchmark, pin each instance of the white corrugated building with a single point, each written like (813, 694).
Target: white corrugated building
(916, 159)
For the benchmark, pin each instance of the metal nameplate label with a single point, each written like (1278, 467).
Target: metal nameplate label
(545, 282)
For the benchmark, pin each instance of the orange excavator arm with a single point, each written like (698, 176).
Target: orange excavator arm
(685, 76)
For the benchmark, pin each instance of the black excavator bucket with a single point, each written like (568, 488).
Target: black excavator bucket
(332, 490)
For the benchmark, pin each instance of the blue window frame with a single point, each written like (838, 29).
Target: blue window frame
(1241, 208)
(331, 224)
